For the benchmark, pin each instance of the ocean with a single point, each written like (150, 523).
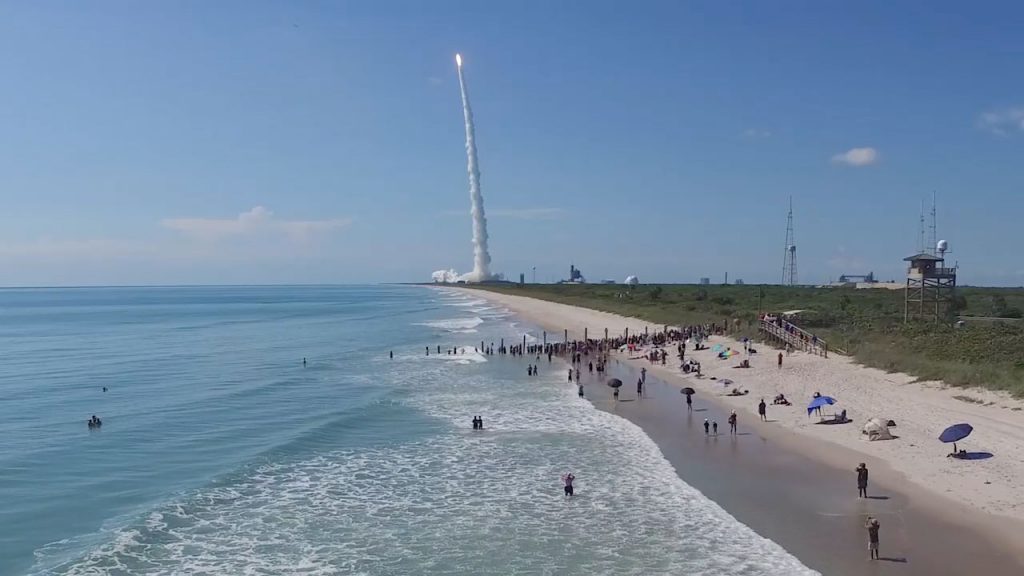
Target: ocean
(221, 453)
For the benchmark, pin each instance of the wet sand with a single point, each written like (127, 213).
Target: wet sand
(808, 506)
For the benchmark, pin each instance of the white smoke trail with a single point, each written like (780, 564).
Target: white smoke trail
(481, 256)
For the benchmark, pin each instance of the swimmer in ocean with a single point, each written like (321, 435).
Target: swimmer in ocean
(567, 479)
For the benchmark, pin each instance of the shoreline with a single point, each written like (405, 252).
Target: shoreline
(797, 474)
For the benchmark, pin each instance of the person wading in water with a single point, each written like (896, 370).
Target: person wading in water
(862, 480)
(567, 480)
(872, 525)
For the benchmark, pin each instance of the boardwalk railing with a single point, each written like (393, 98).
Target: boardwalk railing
(783, 332)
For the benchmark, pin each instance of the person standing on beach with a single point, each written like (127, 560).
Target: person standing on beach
(872, 525)
(640, 388)
(689, 402)
(862, 480)
(762, 410)
(706, 426)
(570, 374)
(732, 422)
(780, 359)
(581, 390)
(616, 394)
(714, 427)
(643, 374)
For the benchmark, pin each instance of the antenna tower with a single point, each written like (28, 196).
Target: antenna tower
(920, 232)
(934, 240)
(789, 277)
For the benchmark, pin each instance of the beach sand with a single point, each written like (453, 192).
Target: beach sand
(792, 479)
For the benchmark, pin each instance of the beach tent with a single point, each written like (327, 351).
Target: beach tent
(876, 429)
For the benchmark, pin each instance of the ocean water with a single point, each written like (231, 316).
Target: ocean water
(221, 453)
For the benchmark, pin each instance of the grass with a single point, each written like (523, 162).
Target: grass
(868, 324)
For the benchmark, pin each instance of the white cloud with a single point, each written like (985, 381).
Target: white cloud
(1003, 121)
(257, 221)
(857, 157)
(87, 248)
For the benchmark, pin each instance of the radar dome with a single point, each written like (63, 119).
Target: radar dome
(632, 280)
(942, 246)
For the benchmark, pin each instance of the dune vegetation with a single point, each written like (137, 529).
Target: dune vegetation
(985, 350)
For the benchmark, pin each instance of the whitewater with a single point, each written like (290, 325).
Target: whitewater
(221, 453)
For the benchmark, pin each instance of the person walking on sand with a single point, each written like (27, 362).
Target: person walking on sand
(616, 394)
(707, 425)
(714, 427)
(732, 422)
(872, 525)
(780, 359)
(640, 388)
(762, 409)
(570, 374)
(689, 402)
(862, 480)
(643, 374)
(581, 390)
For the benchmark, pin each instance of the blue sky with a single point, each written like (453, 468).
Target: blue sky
(295, 142)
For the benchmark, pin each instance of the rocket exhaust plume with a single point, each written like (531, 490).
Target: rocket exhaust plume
(481, 256)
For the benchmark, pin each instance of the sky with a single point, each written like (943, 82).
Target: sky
(195, 142)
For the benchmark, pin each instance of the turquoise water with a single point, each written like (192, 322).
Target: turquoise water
(221, 454)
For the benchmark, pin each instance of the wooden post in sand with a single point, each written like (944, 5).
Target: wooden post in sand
(545, 338)
(584, 333)
(566, 336)
(502, 347)
(645, 330)
(627, 333)
(524, 344)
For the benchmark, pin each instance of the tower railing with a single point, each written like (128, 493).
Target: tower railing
(782, 331)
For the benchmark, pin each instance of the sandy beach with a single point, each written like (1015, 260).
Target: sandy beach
(947, 510)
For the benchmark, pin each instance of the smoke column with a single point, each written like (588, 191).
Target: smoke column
(481, 257)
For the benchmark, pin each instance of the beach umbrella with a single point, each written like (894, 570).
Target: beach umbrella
(615, 382)
(955, 433)
(819, 402)
(688, 391)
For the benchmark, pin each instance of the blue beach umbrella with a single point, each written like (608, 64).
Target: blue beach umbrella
(955, 433)
(819, 402)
